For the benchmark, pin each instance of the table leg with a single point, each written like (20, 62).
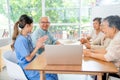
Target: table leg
(42, 75)
(99, 76)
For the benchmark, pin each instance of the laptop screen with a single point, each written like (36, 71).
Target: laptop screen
(64, 54)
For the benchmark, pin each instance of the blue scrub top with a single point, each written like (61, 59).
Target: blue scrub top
(40, 33)
(23, 47)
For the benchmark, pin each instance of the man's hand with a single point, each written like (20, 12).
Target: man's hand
(40, 41)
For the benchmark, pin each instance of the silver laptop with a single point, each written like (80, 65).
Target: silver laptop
(64, 54)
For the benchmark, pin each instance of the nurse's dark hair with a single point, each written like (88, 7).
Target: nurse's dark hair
(23, 20)
(113, 21)
(98, 19)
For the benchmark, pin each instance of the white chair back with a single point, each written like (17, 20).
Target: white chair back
(13, 69)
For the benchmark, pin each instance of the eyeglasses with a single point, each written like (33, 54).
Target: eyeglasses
(45, 22)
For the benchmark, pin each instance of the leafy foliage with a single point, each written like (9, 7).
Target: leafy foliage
(59, 11)
(30, 7)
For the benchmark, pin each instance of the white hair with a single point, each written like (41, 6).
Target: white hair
(45, 17)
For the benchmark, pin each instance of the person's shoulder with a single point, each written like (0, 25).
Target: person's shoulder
(117, 36)
(108, 39)
(116, 39)
(101, 33)
(92, 32)
(119, 33)
(21, 38)
(48, 32)
(37, 30)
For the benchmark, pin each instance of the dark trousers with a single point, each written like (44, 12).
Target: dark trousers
(114, 75)
(103, 77)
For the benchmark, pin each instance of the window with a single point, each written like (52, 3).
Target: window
(64, 16)
(63, 11)
(4, 20)
(86, 22)
(109, 2)
(65, 31)
(4, 23)
(30, 7)
(67, 17)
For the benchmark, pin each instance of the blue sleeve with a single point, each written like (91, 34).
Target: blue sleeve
(35, 36)
(21, 47)
(52, 38)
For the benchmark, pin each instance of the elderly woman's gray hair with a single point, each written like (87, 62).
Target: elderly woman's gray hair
(113, 21)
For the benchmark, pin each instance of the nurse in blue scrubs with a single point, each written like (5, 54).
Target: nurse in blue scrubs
(22, 45)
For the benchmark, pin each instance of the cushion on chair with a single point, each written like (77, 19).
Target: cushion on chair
(13, 69)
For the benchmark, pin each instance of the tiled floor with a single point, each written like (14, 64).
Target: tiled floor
(4, 76)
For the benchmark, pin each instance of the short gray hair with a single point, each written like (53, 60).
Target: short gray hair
(45, 17)
(113, 21)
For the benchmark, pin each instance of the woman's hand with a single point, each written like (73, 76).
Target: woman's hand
(97, 51)
(40, 41)
(83, 40)
(87, 52)
(88, 46)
